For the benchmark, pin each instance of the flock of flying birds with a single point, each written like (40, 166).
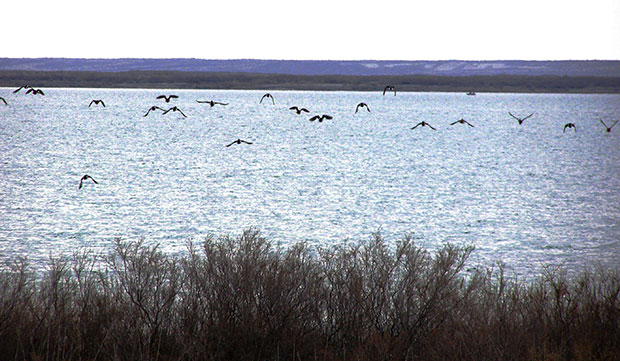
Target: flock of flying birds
(167, 98)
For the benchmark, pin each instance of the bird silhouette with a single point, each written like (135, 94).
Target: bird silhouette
(96, 101)
(606, 127)
(320, 117)
(362, 105)
(21, 87)
(462, 121)
(153, 108)
(391, 88)
(520, 120)
(569, 125)
(175, 109)
(210, 102)
(239, 141)
(86, 177)
(167, 98)
(423, 124)
(34, 91)
(267, 96)
(299, 110)
(4, 101)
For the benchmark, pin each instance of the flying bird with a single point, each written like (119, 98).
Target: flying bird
(606, 127)
(569, 125)
(86, 177)
(299, 110)
(423, 124)
(320, 117)
(267, 96)
(238, 141)
(462, 121)
(390, 88)
(520, 120)
(175, 109)
(20, 88)
(35, 91)
(96, 101)
(153, 108)
(210, 102)
(167, 98)
(362, 105)
(5, 103)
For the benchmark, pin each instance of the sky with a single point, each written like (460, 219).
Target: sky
(313, 30)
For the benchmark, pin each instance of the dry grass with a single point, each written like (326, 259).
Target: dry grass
(245, 299)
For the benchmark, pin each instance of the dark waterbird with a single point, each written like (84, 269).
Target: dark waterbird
(423, 124)
(298, 110)
(569, 125)
(362, 105)
(462, 121)
(239, 141)
(210, 102)
(520, 120)
(321, 117)
(267, 96)
(390, 88)
(86, 177)
(608, 129)
(153, 108)
(21, 87)
(34, 91)
(96, 101)
(167, 98)
(175, 109)
(4, 101)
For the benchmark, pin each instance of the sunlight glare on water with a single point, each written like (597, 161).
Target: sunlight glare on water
(529, 195)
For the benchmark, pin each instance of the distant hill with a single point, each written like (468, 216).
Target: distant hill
(598, 68)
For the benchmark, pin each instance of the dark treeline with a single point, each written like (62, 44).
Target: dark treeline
(206, 80)
(245, 299)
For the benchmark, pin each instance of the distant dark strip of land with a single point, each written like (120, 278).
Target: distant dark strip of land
(247, 81)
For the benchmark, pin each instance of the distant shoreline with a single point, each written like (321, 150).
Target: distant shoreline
(260, 81)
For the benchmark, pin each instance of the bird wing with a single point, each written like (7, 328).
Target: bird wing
(357, 107)
(468, 123)
(29, 91)
(80, 186)
(367, 107)
(314, 118)
(93, 179)
(385, 89)
(161, 97)
(102, 103)
(509, 113)
(40, 91)
(609, 127)
(202, 101)
(220, 103)
(166, 111)
(417, 125)
(182, 112)
(18, 89)
(91, 103)
(5, 103)
(527, 116)
(246, 142)
(454, 122)
(147, 112)
(295, 108)
(263, 97)
(430, 126)
(604, 123)
(304, 110)
(327, 116)
(173, 96)
(231, 144)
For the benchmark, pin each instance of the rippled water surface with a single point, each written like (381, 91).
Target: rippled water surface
(528, 195)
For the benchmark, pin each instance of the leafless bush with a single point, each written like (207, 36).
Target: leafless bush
(246, 299)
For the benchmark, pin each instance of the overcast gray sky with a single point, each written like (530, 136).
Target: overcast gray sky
(319, 29)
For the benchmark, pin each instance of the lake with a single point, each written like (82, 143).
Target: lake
(529, 195)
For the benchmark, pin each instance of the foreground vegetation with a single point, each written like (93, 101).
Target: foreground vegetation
(215, 80)
(245, 299)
